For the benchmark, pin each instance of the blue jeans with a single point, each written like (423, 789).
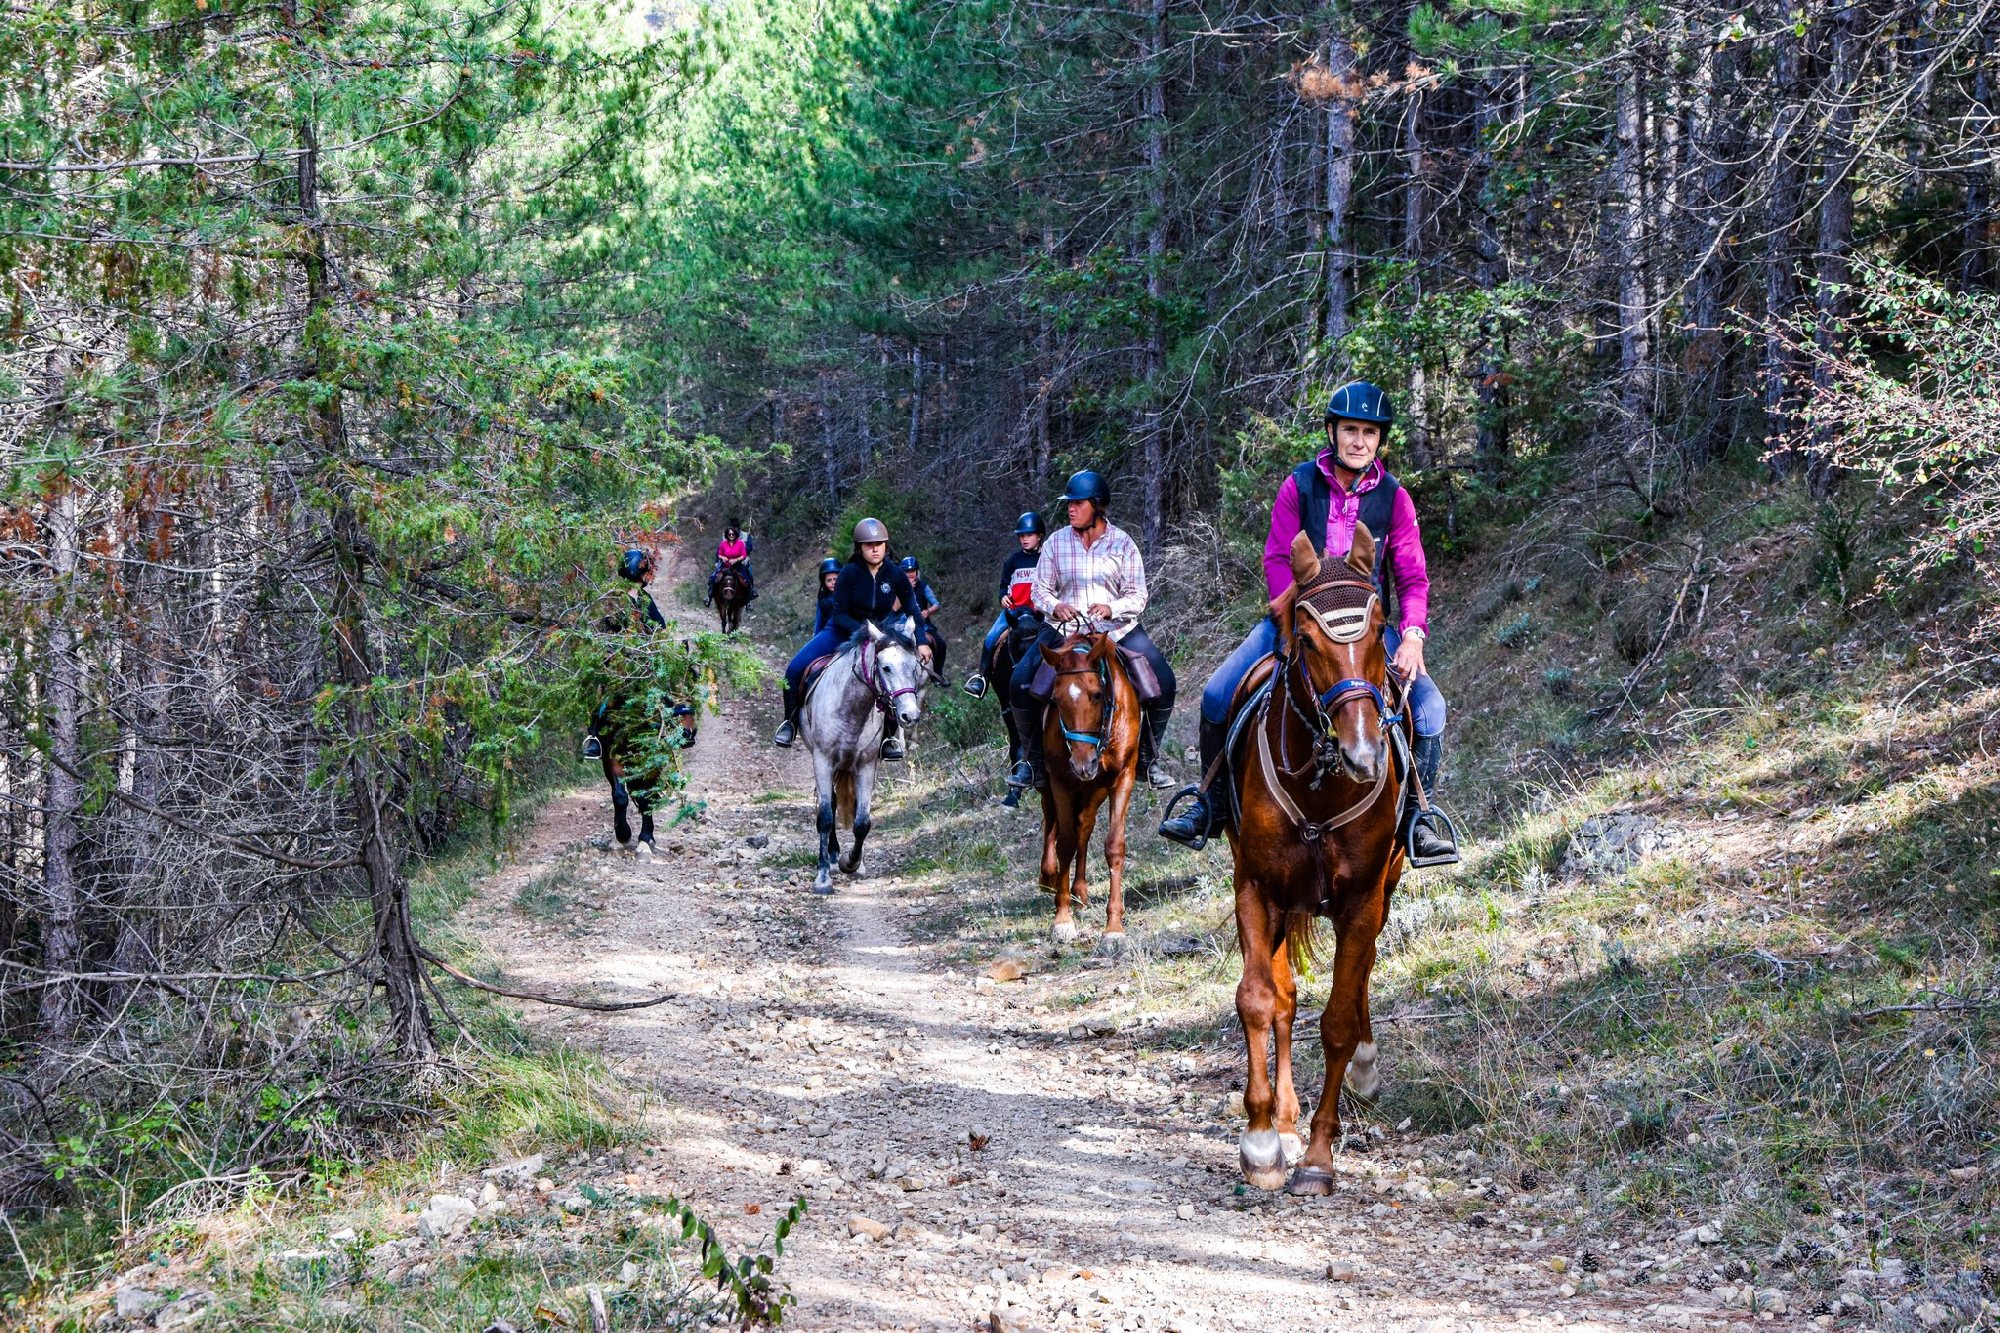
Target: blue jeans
(818, 646)
(1426, 702)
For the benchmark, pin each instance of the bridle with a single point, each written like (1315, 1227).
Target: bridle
(1344, 611)
(868, 670)
(1102, 737)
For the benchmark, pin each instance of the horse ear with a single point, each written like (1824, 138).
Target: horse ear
(1053, 656)
(1361, 555)
(875, 633)
(1305, 560)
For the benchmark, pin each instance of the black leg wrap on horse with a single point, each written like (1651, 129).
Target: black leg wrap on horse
(1202, 818)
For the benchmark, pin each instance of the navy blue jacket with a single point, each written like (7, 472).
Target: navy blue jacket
(861, 598)
(824, 615)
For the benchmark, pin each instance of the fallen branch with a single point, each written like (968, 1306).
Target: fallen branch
(595, 1006)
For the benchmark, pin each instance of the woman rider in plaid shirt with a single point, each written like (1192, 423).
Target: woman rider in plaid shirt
(1091, 570)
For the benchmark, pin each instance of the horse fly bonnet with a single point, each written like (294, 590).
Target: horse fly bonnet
(1343, 608)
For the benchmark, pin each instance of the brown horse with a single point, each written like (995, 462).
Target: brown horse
(732, 594)
(1318, 796)
(1092, 723)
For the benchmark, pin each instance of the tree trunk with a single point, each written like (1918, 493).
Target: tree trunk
(62, 937)
(1340, 116)
(1153, 429)
(1975, 260)
(1711, 357)
(1635, 344)
(1781, 218)
(1836, 226)
(388, 893)
(1492, 444)
(1415, 203)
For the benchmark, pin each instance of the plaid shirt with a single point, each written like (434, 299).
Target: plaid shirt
(1111, 573)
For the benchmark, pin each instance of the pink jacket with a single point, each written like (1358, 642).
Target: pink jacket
(736, 550)
(1406, 543)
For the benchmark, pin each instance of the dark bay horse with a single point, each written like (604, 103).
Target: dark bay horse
(1317, 794)
(1014, 641)
(732, 594)
(1090, 734)
(638, 725)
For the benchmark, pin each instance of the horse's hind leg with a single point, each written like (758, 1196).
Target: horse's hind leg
(1286, 987)
(857, 792)
(1086, 824)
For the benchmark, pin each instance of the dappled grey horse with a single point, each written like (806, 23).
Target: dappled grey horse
(841, 724)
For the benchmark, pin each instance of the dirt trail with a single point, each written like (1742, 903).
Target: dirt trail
(811, 1047)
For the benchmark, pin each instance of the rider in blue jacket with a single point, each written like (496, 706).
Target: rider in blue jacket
(1017, 578)
(869, 589)
(829, 572)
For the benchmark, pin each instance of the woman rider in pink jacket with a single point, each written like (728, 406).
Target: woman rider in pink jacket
(1325, 497)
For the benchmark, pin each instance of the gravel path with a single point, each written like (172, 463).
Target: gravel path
(971, 1162)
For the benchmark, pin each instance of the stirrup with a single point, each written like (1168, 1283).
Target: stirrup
(1199, 840)
(975, 685)
(786, 734)
(892, 747)
(1410, 839)
(592, 748)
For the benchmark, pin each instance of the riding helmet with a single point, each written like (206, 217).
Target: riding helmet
(829, 566)
(870, 530)
(1088, 485)
(632, 566)
(1360, 401)
(909, 563)
(1030, 522)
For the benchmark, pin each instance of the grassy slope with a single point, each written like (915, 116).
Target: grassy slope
(1782, 1022)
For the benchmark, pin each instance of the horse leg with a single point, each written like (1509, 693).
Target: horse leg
(644, 847)
(621, 828)
(1259, 934)
(857, 795)
(829, 843)
(1058, 849)
(1013, 797)
(1286, 987)
(1114, 858)
(1363, 1079)
(1340, 1029)
(1086, 824)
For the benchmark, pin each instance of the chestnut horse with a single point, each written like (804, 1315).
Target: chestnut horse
(1315, 835)
(1090, 734)
(732, 594)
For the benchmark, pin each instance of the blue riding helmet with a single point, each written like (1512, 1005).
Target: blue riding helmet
(909, 563)
(829, 566)
(1360, 401)
(632, 565)
(1030, 522)
(1088, 485)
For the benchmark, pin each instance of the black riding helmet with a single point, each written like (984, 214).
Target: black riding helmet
(1030, 522)
(1360, 401)
(1088, 485)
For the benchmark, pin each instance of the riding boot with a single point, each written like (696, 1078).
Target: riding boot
(1431, 839)
(892, 740)
(1030, 772)
(1198, 822)
(788, 732)
(1149, 747)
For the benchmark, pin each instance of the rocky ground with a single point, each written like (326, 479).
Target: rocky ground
(977, 1150)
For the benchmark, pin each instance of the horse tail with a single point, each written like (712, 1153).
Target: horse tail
(843, 799)
(1301, 942)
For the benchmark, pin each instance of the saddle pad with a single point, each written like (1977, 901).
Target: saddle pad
(1140, 672)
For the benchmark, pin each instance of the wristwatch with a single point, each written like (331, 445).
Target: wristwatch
(1416, 632)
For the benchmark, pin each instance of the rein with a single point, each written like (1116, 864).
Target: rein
(867, 670)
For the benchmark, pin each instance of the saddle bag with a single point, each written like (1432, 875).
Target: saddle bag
(1145, 683)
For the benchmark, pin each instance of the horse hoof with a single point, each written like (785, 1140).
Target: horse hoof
(1294, 1148)
(643, 851)
(823, 886)
(1310, 1181)
(1363, 1079)
(1263, 1158)
(1063, 932)
(1111, 944)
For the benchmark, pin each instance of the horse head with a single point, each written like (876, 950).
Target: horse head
(900, 674)
(1330, 625)
(1083, 697)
